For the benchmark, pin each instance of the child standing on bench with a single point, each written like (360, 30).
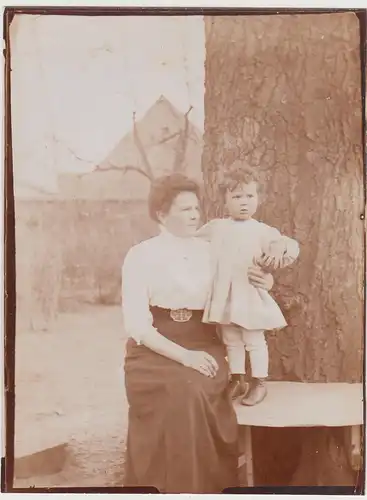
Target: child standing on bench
(243, 311)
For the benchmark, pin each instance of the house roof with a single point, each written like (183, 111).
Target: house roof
(158, 131)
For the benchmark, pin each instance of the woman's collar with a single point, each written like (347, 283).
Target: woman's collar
(165, 233)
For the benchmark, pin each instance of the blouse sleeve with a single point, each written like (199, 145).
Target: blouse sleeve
(138, 320)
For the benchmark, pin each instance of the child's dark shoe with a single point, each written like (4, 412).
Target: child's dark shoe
(256, 394)
(238, 386)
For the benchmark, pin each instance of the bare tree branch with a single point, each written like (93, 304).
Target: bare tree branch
(188, 111)
(182, 134)
(169, 137)
(127, 168)
(111, 166)
(123, 169)
(79, 158)
(182, 145)
(140, 146)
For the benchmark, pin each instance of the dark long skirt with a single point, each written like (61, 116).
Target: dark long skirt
(182, 433)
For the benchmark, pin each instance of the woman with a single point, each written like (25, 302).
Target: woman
(182, 432)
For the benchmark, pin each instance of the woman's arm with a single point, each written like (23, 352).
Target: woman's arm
(138, 320)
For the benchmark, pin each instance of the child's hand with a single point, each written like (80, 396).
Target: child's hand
(272, 257)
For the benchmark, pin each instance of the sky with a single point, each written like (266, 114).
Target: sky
(76, 82)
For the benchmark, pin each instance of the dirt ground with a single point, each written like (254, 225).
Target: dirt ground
(70, 388)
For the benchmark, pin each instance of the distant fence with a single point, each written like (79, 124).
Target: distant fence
(69, 252)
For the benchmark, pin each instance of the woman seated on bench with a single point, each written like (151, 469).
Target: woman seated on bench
(182, 429)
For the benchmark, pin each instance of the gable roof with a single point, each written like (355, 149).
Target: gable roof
(158, 131)
(158, 126)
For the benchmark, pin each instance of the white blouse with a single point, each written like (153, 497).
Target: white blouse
(165, 271)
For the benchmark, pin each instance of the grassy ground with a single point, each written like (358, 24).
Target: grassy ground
(70, 387)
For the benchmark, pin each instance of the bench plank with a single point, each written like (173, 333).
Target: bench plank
(301, 404)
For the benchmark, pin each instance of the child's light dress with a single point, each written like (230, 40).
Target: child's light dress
(235, 246)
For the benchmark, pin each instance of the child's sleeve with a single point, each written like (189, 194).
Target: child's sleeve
(291, 246)
(206, 232)
(291, 251)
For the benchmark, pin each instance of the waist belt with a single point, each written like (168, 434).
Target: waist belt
(179, 315)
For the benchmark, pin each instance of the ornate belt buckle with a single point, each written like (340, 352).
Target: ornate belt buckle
(180, 315)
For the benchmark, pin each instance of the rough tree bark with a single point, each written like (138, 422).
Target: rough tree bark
(284, 92)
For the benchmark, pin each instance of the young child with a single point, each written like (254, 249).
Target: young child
(244, 311)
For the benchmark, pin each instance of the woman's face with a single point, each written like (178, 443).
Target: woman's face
(183, 218)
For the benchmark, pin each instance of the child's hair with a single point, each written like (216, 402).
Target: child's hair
(239, 173)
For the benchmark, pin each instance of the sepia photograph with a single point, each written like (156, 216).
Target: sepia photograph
(186, 193)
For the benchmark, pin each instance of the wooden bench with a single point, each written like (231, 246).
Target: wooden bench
(297, 404)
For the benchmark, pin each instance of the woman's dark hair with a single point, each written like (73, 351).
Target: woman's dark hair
(164, 191)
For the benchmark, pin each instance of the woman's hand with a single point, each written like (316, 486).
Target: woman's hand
(202, 362)
(260, 279)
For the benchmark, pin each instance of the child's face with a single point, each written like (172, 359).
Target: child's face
(242, 202)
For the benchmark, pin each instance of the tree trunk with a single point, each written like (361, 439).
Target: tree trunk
(284, 93)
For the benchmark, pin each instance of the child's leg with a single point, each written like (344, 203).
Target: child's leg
(257, 347)
(232, 338)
